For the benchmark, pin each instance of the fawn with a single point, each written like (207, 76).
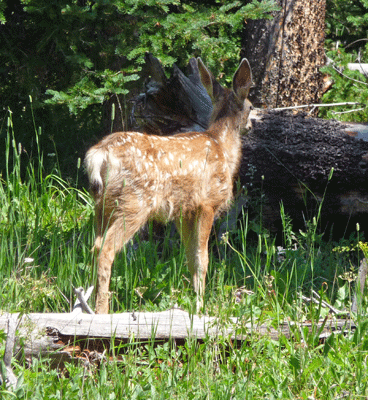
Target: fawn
(187, 178)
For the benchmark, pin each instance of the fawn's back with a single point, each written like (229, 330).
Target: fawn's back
(169, 176)
(135, 177)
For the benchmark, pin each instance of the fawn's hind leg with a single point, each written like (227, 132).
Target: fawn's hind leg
(115, 237)
(195, 231)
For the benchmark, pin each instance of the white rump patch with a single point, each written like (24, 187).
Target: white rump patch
(94, 161)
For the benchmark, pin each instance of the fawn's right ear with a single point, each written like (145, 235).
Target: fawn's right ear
(242, 80)
(213, 88)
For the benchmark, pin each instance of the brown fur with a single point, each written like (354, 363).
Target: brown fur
(187, 178)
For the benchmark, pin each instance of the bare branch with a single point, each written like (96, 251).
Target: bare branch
(82, 298)
(360, 283)
(8, 375)
(317, 300)
(348, 77)
(345, 103)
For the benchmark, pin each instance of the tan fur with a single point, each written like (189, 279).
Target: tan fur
(187, 178)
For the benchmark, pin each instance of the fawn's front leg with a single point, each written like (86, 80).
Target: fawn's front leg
(195, 231)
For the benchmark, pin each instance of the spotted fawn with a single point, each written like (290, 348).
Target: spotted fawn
(188, 178)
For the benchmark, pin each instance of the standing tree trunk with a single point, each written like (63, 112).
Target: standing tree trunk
(286, 54)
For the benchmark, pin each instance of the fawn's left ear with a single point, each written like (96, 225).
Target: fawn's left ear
(242, 80)
(213, 88)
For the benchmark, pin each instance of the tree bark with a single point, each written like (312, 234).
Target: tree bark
(286, 53)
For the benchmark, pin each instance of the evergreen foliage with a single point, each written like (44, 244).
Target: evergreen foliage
(72, 56)
(347, 42)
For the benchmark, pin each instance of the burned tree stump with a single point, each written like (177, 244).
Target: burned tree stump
(171, 105)
(286, 54)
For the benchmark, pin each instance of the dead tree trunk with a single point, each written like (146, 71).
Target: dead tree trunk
(286, 54)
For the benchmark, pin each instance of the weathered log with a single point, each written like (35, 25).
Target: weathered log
(362, 68)
(64, 336)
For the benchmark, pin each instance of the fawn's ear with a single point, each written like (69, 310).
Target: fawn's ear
(242, 80)
(213, 88)
(206, 77)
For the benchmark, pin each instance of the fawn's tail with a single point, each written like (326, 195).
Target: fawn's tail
(94, 162)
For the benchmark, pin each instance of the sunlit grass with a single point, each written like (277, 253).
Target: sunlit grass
(46, 229)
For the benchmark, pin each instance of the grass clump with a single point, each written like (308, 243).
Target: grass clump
(46, 226)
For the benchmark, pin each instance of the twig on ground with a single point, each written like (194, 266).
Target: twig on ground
(7, 374)
(82, 298)
(360, 283)
(317, 300)
(348, 111)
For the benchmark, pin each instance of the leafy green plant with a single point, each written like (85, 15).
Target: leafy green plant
(349, 86)
(346, 22)
(346, 42)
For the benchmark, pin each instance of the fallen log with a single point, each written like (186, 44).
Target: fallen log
(83, 337)
(307, 163)
(73, 335)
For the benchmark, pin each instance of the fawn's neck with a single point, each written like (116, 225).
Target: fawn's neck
(227, 133)
(230, 117)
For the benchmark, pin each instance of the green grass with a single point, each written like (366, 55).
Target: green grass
(46, 232)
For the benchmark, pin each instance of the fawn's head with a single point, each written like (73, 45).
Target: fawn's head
(232, 104)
